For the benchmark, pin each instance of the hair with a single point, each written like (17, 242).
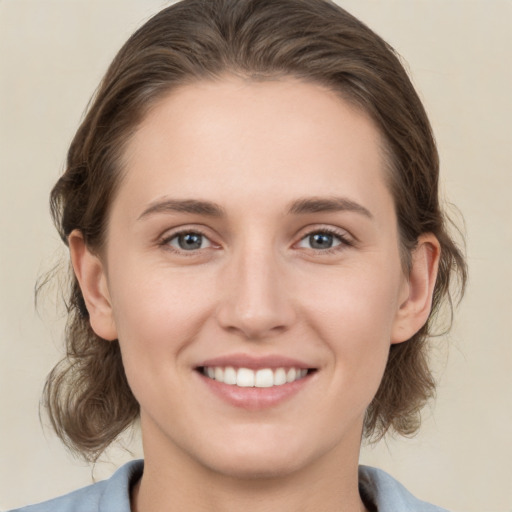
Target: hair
(87, 395)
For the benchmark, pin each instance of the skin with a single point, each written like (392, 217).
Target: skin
(255, 286)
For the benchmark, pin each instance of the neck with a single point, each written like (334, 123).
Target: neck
(329, 484)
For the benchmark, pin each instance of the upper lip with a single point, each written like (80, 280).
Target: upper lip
(255, 362)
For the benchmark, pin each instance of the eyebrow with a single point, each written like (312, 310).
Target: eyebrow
(327, 204)
(298, 207)
(196, 206)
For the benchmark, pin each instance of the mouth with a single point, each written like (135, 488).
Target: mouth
(255, 377)
(255, 382)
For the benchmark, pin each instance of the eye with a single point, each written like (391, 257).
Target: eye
(188, 241)
(323, 240)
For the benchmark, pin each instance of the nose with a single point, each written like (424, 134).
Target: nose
(256, 303)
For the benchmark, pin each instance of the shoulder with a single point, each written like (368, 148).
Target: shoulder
(112, 495)
(388, 495)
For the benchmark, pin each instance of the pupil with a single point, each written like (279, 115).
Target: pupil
(190, 241)
(321, 241)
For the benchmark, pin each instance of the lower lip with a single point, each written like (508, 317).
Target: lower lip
(255, 398)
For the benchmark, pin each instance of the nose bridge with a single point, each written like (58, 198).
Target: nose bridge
(255, 299)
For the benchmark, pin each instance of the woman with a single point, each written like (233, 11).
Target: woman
(258, 252)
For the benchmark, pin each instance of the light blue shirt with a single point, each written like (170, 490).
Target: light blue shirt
(380, 491)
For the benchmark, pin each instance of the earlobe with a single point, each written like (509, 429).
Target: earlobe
(414, 310)
(90, 272)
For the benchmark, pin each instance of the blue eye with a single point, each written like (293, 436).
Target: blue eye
(323, 240)
(188, 241)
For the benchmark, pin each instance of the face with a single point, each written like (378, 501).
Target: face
(252, 275)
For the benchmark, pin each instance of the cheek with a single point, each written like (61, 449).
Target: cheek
(354, 314)
(158, 312)
(157, 318)
(358, 303)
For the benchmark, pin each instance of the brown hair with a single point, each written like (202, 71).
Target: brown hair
(87, 394)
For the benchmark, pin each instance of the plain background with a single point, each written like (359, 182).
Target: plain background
(459, 53)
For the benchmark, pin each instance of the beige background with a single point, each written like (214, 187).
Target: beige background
(52, 54)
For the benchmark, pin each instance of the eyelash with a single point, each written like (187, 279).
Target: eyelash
(344, 241)
(165, 242)
(342, 237)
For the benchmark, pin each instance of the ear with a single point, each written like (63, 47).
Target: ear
(416, 302)
(90, 272)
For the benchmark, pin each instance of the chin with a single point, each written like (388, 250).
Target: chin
(261, 467)
(256, 458)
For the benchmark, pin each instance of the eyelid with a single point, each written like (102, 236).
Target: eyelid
(169, 235)
(345, 238)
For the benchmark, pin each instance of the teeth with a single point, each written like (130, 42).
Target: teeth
(244, 378)
(291, 374)
(264, 378)
(219, 374)
(247, 378)
(279, 377)
(230, 376)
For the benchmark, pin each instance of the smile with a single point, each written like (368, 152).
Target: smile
(249, 378)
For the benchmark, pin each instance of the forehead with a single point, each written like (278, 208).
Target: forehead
(240, 138)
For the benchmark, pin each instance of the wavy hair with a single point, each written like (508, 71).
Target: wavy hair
(87, 395)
